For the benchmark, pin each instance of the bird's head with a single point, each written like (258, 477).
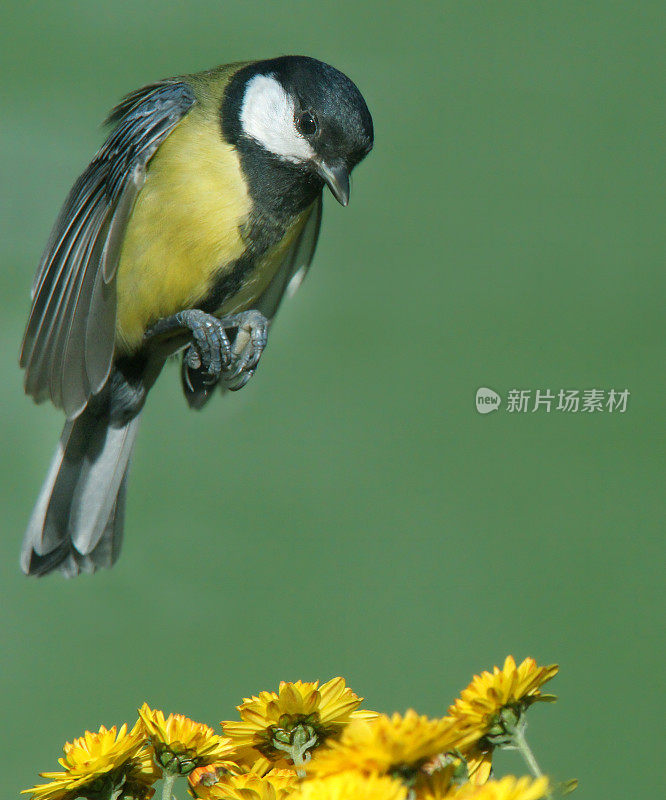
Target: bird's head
(303, 114)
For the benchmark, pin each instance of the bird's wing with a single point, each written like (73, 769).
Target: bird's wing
(69, 340)
(295, 264)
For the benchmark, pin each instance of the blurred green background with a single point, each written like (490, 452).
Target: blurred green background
(350, 513)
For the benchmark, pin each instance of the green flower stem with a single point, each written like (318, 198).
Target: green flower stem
(167, 785)
(299, 758)
(519, 741)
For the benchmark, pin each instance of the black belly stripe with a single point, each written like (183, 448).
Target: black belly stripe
(228, 283)
(262, 233)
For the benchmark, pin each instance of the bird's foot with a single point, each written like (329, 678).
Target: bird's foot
(250, 341)
(217, 351)
(209, 350)
(249, 333)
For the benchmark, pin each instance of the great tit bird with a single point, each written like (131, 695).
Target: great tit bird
(197, 215)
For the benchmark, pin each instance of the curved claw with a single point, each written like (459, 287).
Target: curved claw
(238, 384)
(247, 349)
(207, 375)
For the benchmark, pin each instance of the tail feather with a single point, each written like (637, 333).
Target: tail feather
(77, 523)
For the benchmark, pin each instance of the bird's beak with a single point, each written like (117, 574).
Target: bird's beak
(337, 179)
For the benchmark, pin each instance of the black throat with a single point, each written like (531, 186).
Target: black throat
(279, 189)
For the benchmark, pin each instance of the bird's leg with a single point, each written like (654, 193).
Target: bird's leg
(209, 351)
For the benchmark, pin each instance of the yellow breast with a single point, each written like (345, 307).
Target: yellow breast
(184, 228)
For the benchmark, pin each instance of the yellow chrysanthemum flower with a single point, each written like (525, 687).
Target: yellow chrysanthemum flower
(181, 745)
(94, 762)
(508, 788)
(397, 745)
(271, 718)
(491, 702)
(202, 778)
(275, 785)
(476, 710)
(351, 785)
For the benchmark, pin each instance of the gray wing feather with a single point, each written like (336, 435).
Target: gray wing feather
(69, 340)
(295, 265)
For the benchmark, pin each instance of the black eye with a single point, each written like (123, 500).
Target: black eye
(306, 124)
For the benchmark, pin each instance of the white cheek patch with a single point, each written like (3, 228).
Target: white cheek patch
(267, 116)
